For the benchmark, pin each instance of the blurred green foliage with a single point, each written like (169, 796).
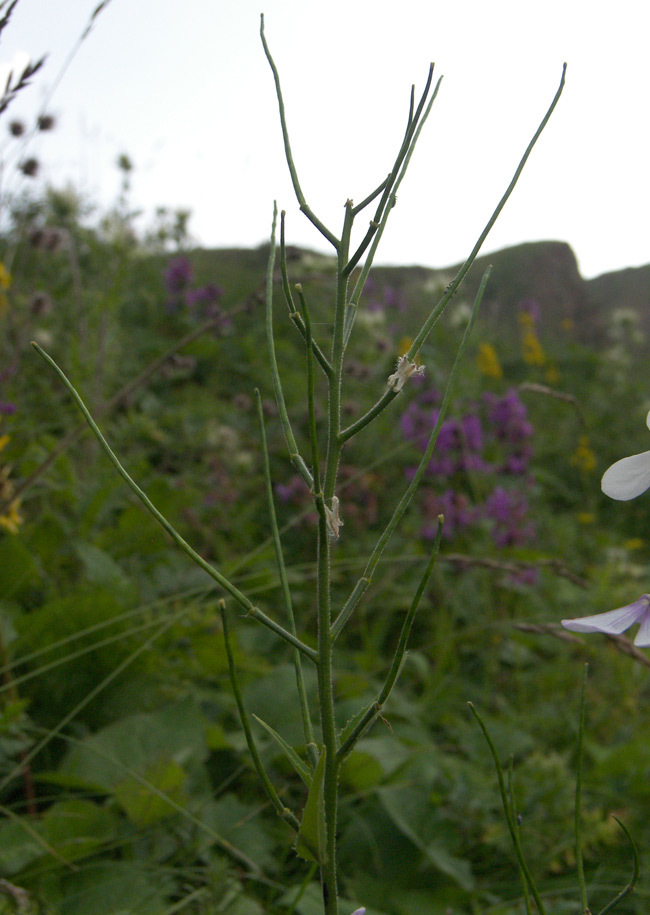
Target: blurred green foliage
(125, 780)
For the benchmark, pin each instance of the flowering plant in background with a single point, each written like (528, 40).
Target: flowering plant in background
(629, 477)
(624, 480)
(478, 475)
(10, 518)
(200, 301)
(5, 283)
(488, 361)
(583, 457)
(532, 351)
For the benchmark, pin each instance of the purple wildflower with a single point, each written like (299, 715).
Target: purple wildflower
(508, 417)
(507, 509)
(178, 275)
(204, 295)
(456, 508)
(472, 432)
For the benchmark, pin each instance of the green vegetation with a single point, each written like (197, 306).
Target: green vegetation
(126, 781)
(138, 794)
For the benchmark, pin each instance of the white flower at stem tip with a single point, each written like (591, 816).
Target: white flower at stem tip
(405, 370)
(613, 622)
(359, 912)
(629, 477)
(334, 524)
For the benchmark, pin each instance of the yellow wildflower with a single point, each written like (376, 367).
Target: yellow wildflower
(532, 349)
(634, 543)
(488, 361)
(4, 439)
(12, 519)
(5, 277)
(583, 457)
(586, 517)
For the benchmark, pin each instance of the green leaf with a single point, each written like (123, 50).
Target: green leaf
(301, 768)
(411, 813)
(76, 827)
(99, 567)
(311, 843)
(117, 888)
(139, 742)
(17, 848)
(142, 806)
(16, 565)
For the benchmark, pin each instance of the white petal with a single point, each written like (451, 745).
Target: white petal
(647, 420)
(627, 478)
(642, 639)
(613, 622)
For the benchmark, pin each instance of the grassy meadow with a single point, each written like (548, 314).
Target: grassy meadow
(125, 781)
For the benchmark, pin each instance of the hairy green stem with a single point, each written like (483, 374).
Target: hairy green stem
(389, 191)
(332, 239)
(281, 809)
(635, 873)
(365, 580)
(294, 454)
(453, 286)
(313, 437)
(378, 224)
(515, 820)
(578, 802)
(293, 313)
(376, 708)
(284, 583)
(512, 826)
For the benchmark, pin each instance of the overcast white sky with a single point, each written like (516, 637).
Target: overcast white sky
(184, 89)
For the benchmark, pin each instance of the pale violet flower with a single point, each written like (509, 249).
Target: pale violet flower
(359, 912)
(613, 622)
(405, 370)
(629, 477)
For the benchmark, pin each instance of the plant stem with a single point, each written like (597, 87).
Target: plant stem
(578, 825)
(221, 580)
(280, 808)
(365, 580)
(453, 286)
(296, 458)
(310, 741)
(375, 709)
(512, 826)
(332, 239)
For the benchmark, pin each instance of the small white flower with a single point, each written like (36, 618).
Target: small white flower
(613, 622)
(334, 523)
(405, 370)
(629, 477)
(359, 912)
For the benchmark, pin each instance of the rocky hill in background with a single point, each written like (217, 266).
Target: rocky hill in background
(545, 271)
